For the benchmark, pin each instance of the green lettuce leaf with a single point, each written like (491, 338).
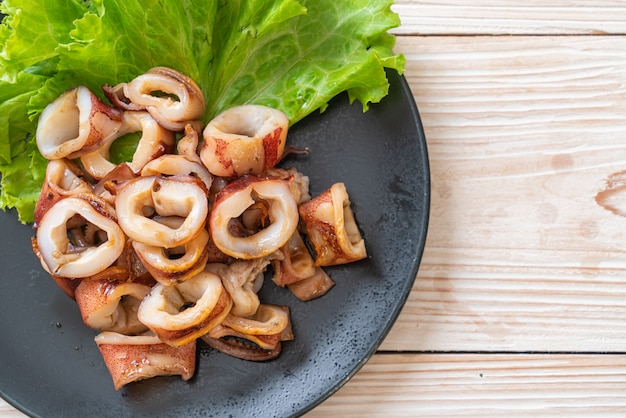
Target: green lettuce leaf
(289, 54)
(303, 63)
(38, 28)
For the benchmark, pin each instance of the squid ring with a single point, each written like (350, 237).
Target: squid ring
(173, 114)
(58, 254)
(168, 270)
(235, 198)
(76, 123)
(267, 320)
(181, 313)
(182, 196)
(246, 139)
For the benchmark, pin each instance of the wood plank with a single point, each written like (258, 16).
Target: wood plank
(524, 134)
(7, 411)
(509, 17)
(446, 385)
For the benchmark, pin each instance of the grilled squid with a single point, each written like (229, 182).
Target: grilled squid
(186, 162)
(76, 123)
(173, 165)
(111, 305)
(331, 227)
(172, 98)
(295, 264)
(107, 187)
(246, 139)
(174, 265)
(183, 197)
(243, 280)
(298, 182)
(133, 358)
(63, 178)
(154, 142)
(296, 269)
(273, 196)
(312, 287)
(181, 313)
(62, 257)
(264, 330)
(187, 146)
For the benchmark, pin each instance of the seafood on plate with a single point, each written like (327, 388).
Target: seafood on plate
(167, 252)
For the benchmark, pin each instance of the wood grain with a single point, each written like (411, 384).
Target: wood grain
(508, 17)
(523, 134)
(469, 385)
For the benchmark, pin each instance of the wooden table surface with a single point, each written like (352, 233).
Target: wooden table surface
(519, 307)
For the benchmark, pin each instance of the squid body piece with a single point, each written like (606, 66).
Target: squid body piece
(62, 258)
(243, 193)
(111, 305)
(246, 139)
(181, 313)
(133, 358)
(331, 227)
(76, 123)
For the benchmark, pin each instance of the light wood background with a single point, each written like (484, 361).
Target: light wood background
(519, 307)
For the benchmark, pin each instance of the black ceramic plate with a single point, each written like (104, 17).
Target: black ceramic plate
(50, 365)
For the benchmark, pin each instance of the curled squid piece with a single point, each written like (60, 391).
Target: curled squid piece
(295, 264)
(242, 279)
(174, 265)
(133, 358)
(186, 162)
(298, 182)
(262, 332)
(183, 312)
(135, 271)
(187, 146)
(331, 227)
(297, 270)
(76, 123)
(63, 178)
(177, 165)
(273, 196)
(172, 98)
(62, 257)
(111, 305)
(184, 197)
(155, 141)
(107, 187)
(246, 139)
(312, 287)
